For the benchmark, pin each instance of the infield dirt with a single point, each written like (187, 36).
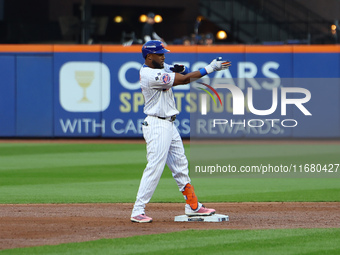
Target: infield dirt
(24, 225)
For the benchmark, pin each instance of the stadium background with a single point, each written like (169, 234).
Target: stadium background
(39, 92)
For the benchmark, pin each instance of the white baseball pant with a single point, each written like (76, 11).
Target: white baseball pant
(164, 146)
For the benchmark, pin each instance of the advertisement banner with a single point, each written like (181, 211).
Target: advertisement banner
(94, 90)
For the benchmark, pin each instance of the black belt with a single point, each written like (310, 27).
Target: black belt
(171, 119)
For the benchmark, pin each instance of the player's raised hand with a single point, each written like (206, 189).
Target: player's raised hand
(218, 64)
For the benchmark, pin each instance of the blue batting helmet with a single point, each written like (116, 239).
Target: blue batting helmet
(153, 47)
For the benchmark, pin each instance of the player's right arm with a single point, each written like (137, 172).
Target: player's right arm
(181, 79)
(215, 65)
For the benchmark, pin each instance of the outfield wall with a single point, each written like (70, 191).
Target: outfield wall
(41, 96)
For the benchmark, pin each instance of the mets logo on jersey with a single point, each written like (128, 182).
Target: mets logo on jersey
(165, 78)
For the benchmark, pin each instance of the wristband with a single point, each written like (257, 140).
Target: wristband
(209, 69)
(203, 71)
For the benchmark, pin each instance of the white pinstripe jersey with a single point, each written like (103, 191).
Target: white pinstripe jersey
(156, 87)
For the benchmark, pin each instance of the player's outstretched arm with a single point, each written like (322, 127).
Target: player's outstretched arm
(215, 65)
(181, 79)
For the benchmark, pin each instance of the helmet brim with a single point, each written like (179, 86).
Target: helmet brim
(153, 47)
(161, 51)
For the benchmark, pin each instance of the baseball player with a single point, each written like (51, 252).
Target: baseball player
(164, 144)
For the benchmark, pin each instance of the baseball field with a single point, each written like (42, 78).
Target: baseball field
(76, 197)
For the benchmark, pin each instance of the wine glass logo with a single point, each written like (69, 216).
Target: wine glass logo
(84, 79)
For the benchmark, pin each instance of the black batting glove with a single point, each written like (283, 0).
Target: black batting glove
(178, 68)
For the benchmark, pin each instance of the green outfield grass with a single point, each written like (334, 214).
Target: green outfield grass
(79, 173)
(110, 173)
(240, 242)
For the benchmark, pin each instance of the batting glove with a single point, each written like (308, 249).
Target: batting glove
(179, 69)
(217, 65)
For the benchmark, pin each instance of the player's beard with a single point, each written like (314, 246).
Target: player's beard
(157, 65)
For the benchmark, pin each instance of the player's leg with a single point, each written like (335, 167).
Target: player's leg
(178, 164)
(177, 161)
(158, 139)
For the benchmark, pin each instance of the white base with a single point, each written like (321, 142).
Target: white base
(212, 218)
